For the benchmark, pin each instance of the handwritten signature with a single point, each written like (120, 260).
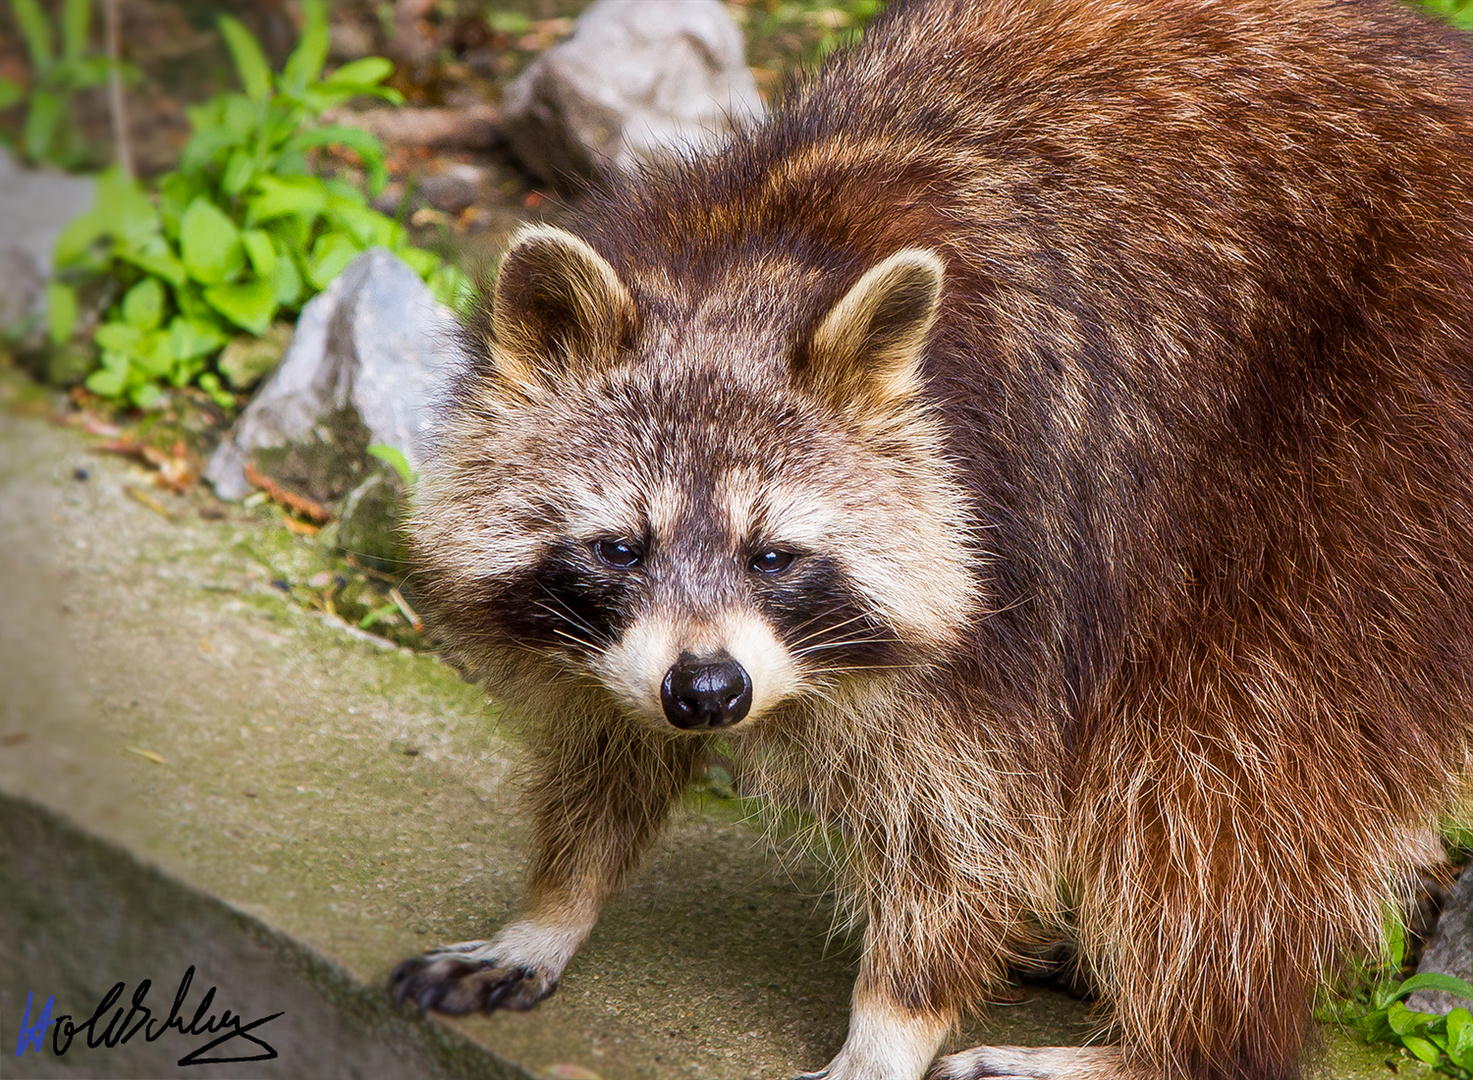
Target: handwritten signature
(139, 1017)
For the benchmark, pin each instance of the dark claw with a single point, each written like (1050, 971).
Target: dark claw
(457, 985)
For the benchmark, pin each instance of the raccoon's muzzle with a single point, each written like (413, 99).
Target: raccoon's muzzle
(700, 693)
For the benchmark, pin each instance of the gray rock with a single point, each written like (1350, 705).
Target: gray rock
(637, 80)
(369, 352)
(1451, 949)
(453, 189)
(34, 207)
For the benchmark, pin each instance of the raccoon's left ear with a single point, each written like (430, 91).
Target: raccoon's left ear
(558, 307)
(866, 352)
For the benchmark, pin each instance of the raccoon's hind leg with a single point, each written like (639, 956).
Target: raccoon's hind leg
(1236, 835)
(599, 793)
(1031, 1063)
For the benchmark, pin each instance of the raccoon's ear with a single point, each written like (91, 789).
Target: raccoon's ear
(558, 307)
(866, 351)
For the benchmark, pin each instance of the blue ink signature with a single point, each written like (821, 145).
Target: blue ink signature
(139, 1017)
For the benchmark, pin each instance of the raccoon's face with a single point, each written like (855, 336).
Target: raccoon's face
(686, 509)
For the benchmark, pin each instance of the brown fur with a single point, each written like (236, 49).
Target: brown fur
(1168, 515)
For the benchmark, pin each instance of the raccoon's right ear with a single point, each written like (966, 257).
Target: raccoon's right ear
(558, 307)
(865, 355)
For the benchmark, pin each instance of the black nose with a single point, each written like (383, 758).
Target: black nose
(705, 693)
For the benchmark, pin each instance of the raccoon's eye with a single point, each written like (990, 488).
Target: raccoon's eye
(772, 562)
(620, 554)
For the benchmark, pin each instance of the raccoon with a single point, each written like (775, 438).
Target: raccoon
(1042, 450)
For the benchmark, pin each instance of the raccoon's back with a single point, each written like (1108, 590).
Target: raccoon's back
(1205, 351)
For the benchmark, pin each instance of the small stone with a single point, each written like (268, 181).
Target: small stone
(635, 82)
(1450, 951)
(389, 199)
(368, 355)
(35, 205)
(453, 189)
(81, 474)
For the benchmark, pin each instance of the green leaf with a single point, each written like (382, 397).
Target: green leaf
(126, 212)
(287, 280)
(240, 170)
(10, 93)
(76, 20)
(1395, 935)
(240, 116)
(362, 143)
(305, 63)
(250, 61)
(210, 244)
(119, 338)
(144, 394)
(260, 250)
(143, 306)
(367, 226)
(206, 115)
(107, 382)
(209, 382)
(1459, 1032)
(155, 354)
(156, 257)
(36, 31)
(1423, 1049)
(395, 459)
(77, 237)
(176, 192)
(300, 196)
(331, 253)
(205, 148)
(1404, 1020)
(249, 305)
(190, 300)
(42, 120)
(370, 71)
(1435, 980)
(189, 338)
(61, 312)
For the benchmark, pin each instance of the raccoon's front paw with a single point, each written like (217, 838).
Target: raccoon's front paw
(467, 978)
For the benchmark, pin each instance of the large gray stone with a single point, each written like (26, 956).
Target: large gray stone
(369, 352)
(637, 80)
(34, 207)
(1451, 949)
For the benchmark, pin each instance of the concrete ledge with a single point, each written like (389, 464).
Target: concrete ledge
(194, 770)
(78, 915)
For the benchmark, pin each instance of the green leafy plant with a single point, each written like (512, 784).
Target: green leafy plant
(57, 74)
(1457, 12)
(1378, 1012)
(242, 233)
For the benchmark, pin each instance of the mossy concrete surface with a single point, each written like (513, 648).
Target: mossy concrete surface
(196, 770)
